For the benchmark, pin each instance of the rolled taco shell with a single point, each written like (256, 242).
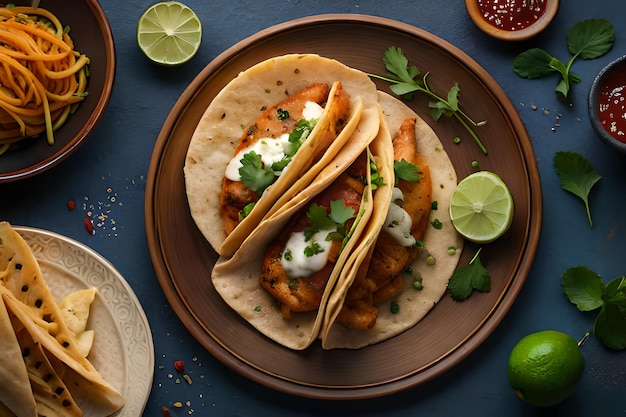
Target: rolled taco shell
(235, 108)
(413, 304)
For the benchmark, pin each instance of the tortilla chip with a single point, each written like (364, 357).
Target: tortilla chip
(26, 295)
(16, 394)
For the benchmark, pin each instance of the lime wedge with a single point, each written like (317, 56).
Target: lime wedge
(169, 33)
(481, 207)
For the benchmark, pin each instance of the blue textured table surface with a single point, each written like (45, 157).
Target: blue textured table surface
(109, 172)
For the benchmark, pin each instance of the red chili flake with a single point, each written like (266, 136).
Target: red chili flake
(71, 205)
(88, 225)
(165, 412)
(179, 366)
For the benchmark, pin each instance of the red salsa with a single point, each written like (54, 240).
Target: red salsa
(612, 102)
(512, 15)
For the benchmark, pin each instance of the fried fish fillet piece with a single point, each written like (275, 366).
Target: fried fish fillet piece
(389, 259)
(235, 195)
(297, 294)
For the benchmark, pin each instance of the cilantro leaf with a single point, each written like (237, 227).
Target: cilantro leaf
(321, 219)
(465, 279)
(609, 327)
(591, 38)
(583, 287)
(339, 213)
(254, 174)
(406, 171)
(577, 176)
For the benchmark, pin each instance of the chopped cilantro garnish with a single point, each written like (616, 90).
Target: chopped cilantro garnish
(436, 223)
(394, 307)
(321, 219)
(288, 255)
(282, 114)
(313, 249)
(406, 171)
(376, 179)
(257, 176)
(254, 174)
(246, 211)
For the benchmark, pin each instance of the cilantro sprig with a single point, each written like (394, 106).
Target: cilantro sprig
(588, 39)
(466, 279)
(584, 288)
(577, 176)
(403, 76)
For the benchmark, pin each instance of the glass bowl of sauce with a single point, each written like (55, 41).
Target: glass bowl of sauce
(607, 104)
(512, 20)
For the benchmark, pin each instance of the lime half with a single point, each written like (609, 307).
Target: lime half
(481, 207)
(169, 33)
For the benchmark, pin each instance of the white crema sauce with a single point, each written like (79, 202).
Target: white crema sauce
(299, 265)
(398, 222)
(270, 150)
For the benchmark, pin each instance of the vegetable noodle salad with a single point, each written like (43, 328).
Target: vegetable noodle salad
(42, 77)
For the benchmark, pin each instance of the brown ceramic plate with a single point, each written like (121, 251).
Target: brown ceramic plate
(92, 36)
(183, 260)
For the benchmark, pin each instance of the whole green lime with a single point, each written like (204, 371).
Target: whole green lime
(544, 367)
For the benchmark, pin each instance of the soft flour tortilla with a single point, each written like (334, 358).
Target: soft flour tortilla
(235, 108)
(236, 279)
(27, 297)
(414, 305)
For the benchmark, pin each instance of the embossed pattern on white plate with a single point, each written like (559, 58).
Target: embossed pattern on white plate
(123, 350)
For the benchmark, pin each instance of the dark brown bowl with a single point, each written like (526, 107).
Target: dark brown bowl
(92, 36)
(609, 86)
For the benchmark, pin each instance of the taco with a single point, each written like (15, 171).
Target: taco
(283, 292)
(376, 298)
(36, 315)
(267, 135)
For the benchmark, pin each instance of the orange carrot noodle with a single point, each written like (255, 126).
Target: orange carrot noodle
(42, 77)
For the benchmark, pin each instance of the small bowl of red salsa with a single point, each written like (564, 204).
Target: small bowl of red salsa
(512, 20)
(607, 104)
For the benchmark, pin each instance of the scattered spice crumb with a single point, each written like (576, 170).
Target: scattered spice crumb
(89, 226)
(187, 378)
(178, 404)
(71, 205)
(533, 106)
(165, 412)
(179, 366)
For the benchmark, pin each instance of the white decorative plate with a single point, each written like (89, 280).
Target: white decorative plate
(123, 350)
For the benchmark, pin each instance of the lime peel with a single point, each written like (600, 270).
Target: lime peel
(169, 33)
(545, 367)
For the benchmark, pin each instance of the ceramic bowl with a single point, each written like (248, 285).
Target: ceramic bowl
(526, 26)
(91, 33)
(607, 104)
